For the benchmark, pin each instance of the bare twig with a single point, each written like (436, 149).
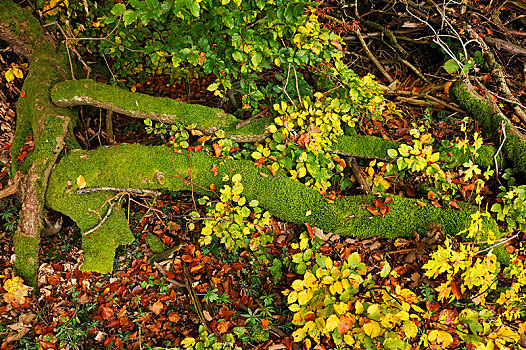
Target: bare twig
(372, 58)
(102, 221)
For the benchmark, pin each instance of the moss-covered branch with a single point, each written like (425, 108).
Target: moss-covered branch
(492, 121)
(168, 111)
(136, 166)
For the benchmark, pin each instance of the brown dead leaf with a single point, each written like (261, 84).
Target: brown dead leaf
(384, 210)
(222, 326)
(373, 211)
(157, 307)
(422, 204)
(264, 175)
(388, 200)
(455, 205)
(455, 288)
(174, 316)
(265, 324)
(107, 312)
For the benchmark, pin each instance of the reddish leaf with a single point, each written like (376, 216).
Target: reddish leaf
(195, 148)
(384, 210)
(214, 170)
(271, 168)
(23, 94)
(337, 44)
(107, 313)
(287, 341)
(234, 149)
(186, 258)
(53, 279)
(212, 187)
(222, 326)
(265, 324)
(377, 203)
(217, 149)
(174, 317)
(237, 266)
(303, 140)
(157, 307)
(388, 200)
(455, 205)
(309, 230)
(373, 211)
(309, 317)
(226, 313)
(455, 288)
(344, 325)
(422, 204)
(436, 204)
(264, 175)
(430, 195)
(339, 161)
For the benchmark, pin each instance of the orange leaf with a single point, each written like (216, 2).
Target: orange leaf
(455, 205)
(422, 204)
(344, 325)
(401, 242)
(388, 200)
(309, 229)
(447, 86)
(384, 210)
(174, 317)
(23, 94)
(430, 195)
(377, 203)
(339, 161)
(222, 326)
(373, 211)
(264, 175)
(271, 168)
(234, 149)
(455, 288)
(107, 312)
(195, 148)
(214, 170)
(212, 187)
(265, 323)
(436, 204)
(217, 149)
(157, 307)
(309, 317)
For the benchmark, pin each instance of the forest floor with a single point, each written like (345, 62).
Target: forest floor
(143, 305)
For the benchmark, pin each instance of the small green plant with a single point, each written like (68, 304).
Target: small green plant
(206, 342)
(512, 209)
(232, 221)
(308, 249)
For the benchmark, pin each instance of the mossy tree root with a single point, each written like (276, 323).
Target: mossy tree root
(137, 166)
(209, 120)
(50, 126)
(492, 121)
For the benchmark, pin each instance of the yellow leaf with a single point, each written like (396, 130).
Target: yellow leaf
(372, 329)
(358, 307)
(441, 337)
(298, 335)
(336, 288)
(298, 285)
(81, 182)
(9, 76)
(18, 73)
(332, 323)
(507, 334)
(309, 279)
(341, 308)
(304, 296)
(292, 297)
(410, 329)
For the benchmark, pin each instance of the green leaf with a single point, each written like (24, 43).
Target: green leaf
(9, 76)
(194, 8)
(451, 66)
(385, 270)
(212, 87)
(255, 59)
(238, 56)
(392, 153)
(118, 9)
(129, 17)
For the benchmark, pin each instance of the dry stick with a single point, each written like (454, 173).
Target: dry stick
(499, 75)
(102, 221)
(351, 162)
(414, 69)
(372, 58)
(137, 191)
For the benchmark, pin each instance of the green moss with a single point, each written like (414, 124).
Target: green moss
(375, 147)
(155, 244)
(136, 166)
(26, 263)
(86, 91)
(491, 121)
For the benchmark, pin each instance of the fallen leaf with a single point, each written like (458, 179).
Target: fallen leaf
(377, 203)
(265, 323)
(212, 187)
(271, 169)
(384, 210)
(157, 307)
(447, 86)
(107, 312)
(309, 229)
(222, 326)
(388, 200)
(373, 211)
(217, 149)
(174, 316)
(422, 204)
(81, 182)
(264, 175)
(214, 170)
(455, 205)
(339, 161)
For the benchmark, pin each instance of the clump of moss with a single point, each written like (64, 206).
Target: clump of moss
(155, 244)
